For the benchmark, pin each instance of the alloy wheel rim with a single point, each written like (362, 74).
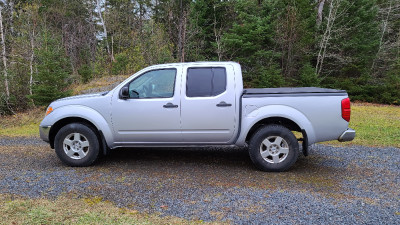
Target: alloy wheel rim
(274, 149)
(76, 146)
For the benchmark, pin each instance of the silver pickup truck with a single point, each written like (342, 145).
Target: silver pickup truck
(197, 104)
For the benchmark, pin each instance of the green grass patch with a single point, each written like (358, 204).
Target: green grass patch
(22, 124)
(67, 210)
(375, 125)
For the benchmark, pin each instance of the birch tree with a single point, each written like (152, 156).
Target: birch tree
(320, 8)
(387, 54)
(3, 54)
(99, 8)
(326, 37)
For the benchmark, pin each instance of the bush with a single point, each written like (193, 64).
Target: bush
(86, 73)
(308, 77)
(271, 77)
(120, 64)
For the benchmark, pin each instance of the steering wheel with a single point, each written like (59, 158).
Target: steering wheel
(134, 92)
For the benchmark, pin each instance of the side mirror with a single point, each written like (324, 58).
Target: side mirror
(124, 94)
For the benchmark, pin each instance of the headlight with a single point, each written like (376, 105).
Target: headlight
(49, 110)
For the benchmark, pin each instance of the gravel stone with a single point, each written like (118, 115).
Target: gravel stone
(22, 141)
(334, 185)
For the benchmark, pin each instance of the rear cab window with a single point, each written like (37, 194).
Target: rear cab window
(205, 81)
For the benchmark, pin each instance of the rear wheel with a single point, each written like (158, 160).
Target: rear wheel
(273, 148)
(76, 145)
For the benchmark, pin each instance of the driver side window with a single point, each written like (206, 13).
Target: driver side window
(153, 84)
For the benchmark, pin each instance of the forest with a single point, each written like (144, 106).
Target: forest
(49, 46)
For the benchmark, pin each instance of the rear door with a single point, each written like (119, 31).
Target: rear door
(208, 104)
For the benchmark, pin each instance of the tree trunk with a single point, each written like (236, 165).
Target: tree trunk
(180, 22)
(4, 58)
(112, 48)
(184, 36)
(32, 36)
(11, 22)
(333, 7)
(319, 12)
(217, 34)
(385, 24)
(98, 3)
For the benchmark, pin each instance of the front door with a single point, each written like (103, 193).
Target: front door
(151, 114)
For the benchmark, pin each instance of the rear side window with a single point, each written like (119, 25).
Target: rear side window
(205, 82)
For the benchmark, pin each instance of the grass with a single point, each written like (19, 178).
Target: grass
(376, 125)
(24, 124)
(69, 210)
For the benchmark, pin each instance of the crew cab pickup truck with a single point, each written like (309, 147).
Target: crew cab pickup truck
(197, 104)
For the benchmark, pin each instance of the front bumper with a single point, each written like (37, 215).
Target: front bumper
(348, 135)
(44, 133)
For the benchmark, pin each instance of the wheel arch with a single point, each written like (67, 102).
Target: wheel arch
(68, 120)
(291, 125)
(286, 116)
(84, 115)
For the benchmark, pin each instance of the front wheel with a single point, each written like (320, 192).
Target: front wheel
(76, 145)
(273, 148)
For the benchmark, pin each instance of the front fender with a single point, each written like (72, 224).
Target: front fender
(249, 120)
(83, 112)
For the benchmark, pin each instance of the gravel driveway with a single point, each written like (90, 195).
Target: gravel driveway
(333, 185)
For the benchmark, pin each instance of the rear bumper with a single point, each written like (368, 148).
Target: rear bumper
(44, 132)
(348, 135)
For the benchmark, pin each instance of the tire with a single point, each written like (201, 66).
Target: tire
(77, 145)
(273, 148)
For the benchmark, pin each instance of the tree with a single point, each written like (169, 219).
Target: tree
(250, 41)
(208, 21)
(349, 38)
(51, 81)
(173, 14)
(4, 55)
(295, 26)
(99, 10)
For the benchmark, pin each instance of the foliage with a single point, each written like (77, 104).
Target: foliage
(271, 77)
(120, 64)
(349, 44)
(86, 73)
(53, 70)
(308, 77)
(249, 41)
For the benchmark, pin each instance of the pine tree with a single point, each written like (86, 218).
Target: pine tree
(250, 42)
(51, 81)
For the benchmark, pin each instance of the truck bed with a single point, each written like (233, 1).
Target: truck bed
(295, 92)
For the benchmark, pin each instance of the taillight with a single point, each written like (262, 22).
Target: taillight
(346, 111)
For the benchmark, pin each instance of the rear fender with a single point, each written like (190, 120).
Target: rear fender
(269, 111)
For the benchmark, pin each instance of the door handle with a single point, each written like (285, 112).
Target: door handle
(170, 105)
(223, 104)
